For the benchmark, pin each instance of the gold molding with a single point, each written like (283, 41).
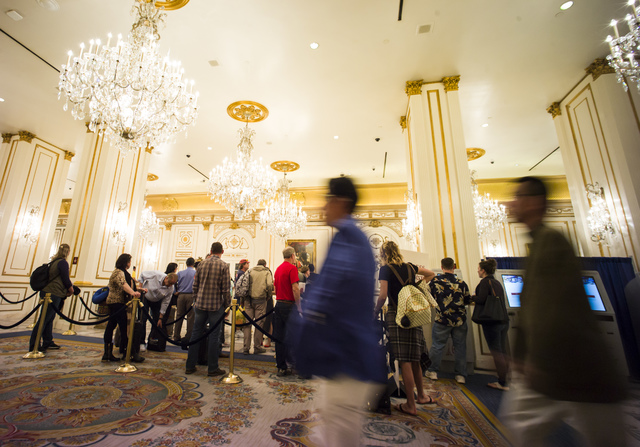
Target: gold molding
(68, 155)
(26, 136)
(169, 204)
(247, 111)
(451, 83)
(599, 67)
(206, 225)
(403, 122)
(413, 88)
(298, 197)
(6, 137)
(473, 153)
(152, 177)
(149, 149)
(234, 226)
(375, 224)
(86, 124)
(554, 109)
(168, 225)
(284, 166)
(171, 5)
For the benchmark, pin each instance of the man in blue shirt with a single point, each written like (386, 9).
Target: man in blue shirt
(184, 290)
(337, 338)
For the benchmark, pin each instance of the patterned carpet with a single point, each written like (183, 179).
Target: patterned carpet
(70, 398)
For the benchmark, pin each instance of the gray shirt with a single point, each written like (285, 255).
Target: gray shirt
(156, 291)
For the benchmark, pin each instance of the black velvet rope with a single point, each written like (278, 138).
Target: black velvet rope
(84, 323)
(11, 326)
(181, 317)
(253, 322)
(247, 324)
(87, 307)
(19, 301)
(164, 334)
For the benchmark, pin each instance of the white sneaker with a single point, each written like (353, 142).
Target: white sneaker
(143, 347)
(431, 375)
(461, 379)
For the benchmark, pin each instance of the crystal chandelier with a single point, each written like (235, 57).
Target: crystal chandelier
(31, 226)
(148, 223)
(412, 224)
(623, 48)
(490, 216)
(134, 96)
(244, 184)
(282, 216)
(599, 219)
(119, 225)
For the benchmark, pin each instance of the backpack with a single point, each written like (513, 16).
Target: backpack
(414, 302)
(40, 277)
(100, 295)
(243, 286)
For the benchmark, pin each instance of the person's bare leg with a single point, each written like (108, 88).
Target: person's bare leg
(417, 376)
(409, 386)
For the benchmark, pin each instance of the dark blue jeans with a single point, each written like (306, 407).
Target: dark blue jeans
(280, 317)
(496, 336)
(47, 330)
(202, 317)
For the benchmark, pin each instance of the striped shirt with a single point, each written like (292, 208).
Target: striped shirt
(212, 284)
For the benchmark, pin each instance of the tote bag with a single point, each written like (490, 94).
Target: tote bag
(413, 307)
(492, 311)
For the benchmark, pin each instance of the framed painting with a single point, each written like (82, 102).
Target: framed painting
(305, 250)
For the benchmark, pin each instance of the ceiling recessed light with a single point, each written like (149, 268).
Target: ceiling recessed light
(51, 5)
(335, 137)
(517, 164)
(314, 45)
(14, 15)
(209, 148)
(485, 125)
(566, 5)
(1, 99)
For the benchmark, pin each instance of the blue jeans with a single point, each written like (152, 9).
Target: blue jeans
(440, 335)
(47, 330)
(202, 317)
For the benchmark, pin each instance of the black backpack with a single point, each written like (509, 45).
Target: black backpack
(40, 277)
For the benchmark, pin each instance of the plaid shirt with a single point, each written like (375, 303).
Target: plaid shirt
(212, 284)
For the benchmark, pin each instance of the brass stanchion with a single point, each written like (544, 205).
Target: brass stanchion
(70, 331)
(230, 377)
(35, 320)
(35, 354)
(127, 367)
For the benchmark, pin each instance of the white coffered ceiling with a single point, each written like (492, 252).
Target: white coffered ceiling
(515, 58)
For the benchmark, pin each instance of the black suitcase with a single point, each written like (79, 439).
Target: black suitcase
(156, 341)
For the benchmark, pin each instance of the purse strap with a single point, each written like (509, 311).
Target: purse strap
(491, 285)
(402, 283)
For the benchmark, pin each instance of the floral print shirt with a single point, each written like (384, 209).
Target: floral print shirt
(452, 295)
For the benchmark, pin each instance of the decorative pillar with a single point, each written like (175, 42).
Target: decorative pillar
(32, 179)
(439, 174)
(107, 182)
(599, 134)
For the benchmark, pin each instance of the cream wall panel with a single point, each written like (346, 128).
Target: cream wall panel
(16, 293)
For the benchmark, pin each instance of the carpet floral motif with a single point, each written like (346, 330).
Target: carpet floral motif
(289, 392)
(83, 406)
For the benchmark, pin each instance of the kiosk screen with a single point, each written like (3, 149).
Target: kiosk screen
(513, 288)
(595, 300)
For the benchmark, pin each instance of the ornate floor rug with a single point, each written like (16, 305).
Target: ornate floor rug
(71, 398)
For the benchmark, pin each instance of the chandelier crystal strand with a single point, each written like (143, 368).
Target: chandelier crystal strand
(599, 218)
(119, 225)
(623, 49)
(282, 217)
(148, 223)
(31, 225)
(490, 215)
(243, 185)
(132, 94)
(412, 224)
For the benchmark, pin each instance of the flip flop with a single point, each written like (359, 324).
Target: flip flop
(401, 409)
(429, 402)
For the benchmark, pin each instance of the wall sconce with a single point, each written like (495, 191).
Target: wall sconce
(412, 224)
(119, 224)
(599, 219)
(31, 226)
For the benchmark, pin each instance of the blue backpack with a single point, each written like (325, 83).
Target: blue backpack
(100, 295)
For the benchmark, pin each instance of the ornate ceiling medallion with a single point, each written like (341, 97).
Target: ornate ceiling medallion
(473, 153)
(247, 111)
(152, 177)
(285, 166)
(172, 5)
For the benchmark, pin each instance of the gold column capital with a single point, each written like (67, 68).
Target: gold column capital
(554, 109)
(6, 137)
(86, 124)
(149, 149)
(168, 226)
(403, 122)
(26, 136)
(451, 83)
(68, 155)
(206, 225)
(413, 88)
(599, 67)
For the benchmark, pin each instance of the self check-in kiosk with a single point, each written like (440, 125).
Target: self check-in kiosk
(513, 280)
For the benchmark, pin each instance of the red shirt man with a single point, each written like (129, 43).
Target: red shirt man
(285, 281)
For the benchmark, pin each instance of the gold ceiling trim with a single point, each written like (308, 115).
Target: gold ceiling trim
(451, 83)
(171, 5)
(413, 87)
(285, 166)
(247, 111)
(152, 177)
(473, 153)
(599, 67)
(554, 109)
(6, 137)
(26, 136)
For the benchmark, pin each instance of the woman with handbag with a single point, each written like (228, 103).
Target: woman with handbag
(122, 288)
(407, 344)
(495, 332)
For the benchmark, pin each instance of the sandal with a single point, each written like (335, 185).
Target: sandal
(401, 409)
(430, 401)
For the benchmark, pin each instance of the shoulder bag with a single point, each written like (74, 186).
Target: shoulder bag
(492, 311)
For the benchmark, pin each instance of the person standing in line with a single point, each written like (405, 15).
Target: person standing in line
(408, 344)
(452, 296)
(494, 333)
(338, 340)
(261, 287)
(244, 266)
(563, 369)
(184, 290)
(287, 300)
(212, 288)
(159, 292)
(60, 287)
(122, 288)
